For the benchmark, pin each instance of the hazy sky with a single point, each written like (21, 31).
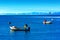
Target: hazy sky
(21, 6)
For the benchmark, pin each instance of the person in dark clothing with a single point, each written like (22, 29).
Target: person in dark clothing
(25, 26)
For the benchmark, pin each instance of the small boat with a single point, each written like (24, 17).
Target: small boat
(13, 28)
(47, 22)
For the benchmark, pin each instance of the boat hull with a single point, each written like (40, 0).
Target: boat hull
(48, 22)
(19, 29)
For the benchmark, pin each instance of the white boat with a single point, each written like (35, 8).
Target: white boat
(13, 28)
(47, 22)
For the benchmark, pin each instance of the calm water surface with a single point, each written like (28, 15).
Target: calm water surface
(39, 31)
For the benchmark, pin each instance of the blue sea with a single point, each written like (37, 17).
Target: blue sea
(38, 31)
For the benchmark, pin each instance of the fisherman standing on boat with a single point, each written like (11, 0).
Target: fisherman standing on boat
(25, 26)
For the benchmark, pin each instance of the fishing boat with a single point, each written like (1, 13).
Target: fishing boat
(13, 28)
(47, 22)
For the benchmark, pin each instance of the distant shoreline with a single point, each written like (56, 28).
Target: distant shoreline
(29, 15)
